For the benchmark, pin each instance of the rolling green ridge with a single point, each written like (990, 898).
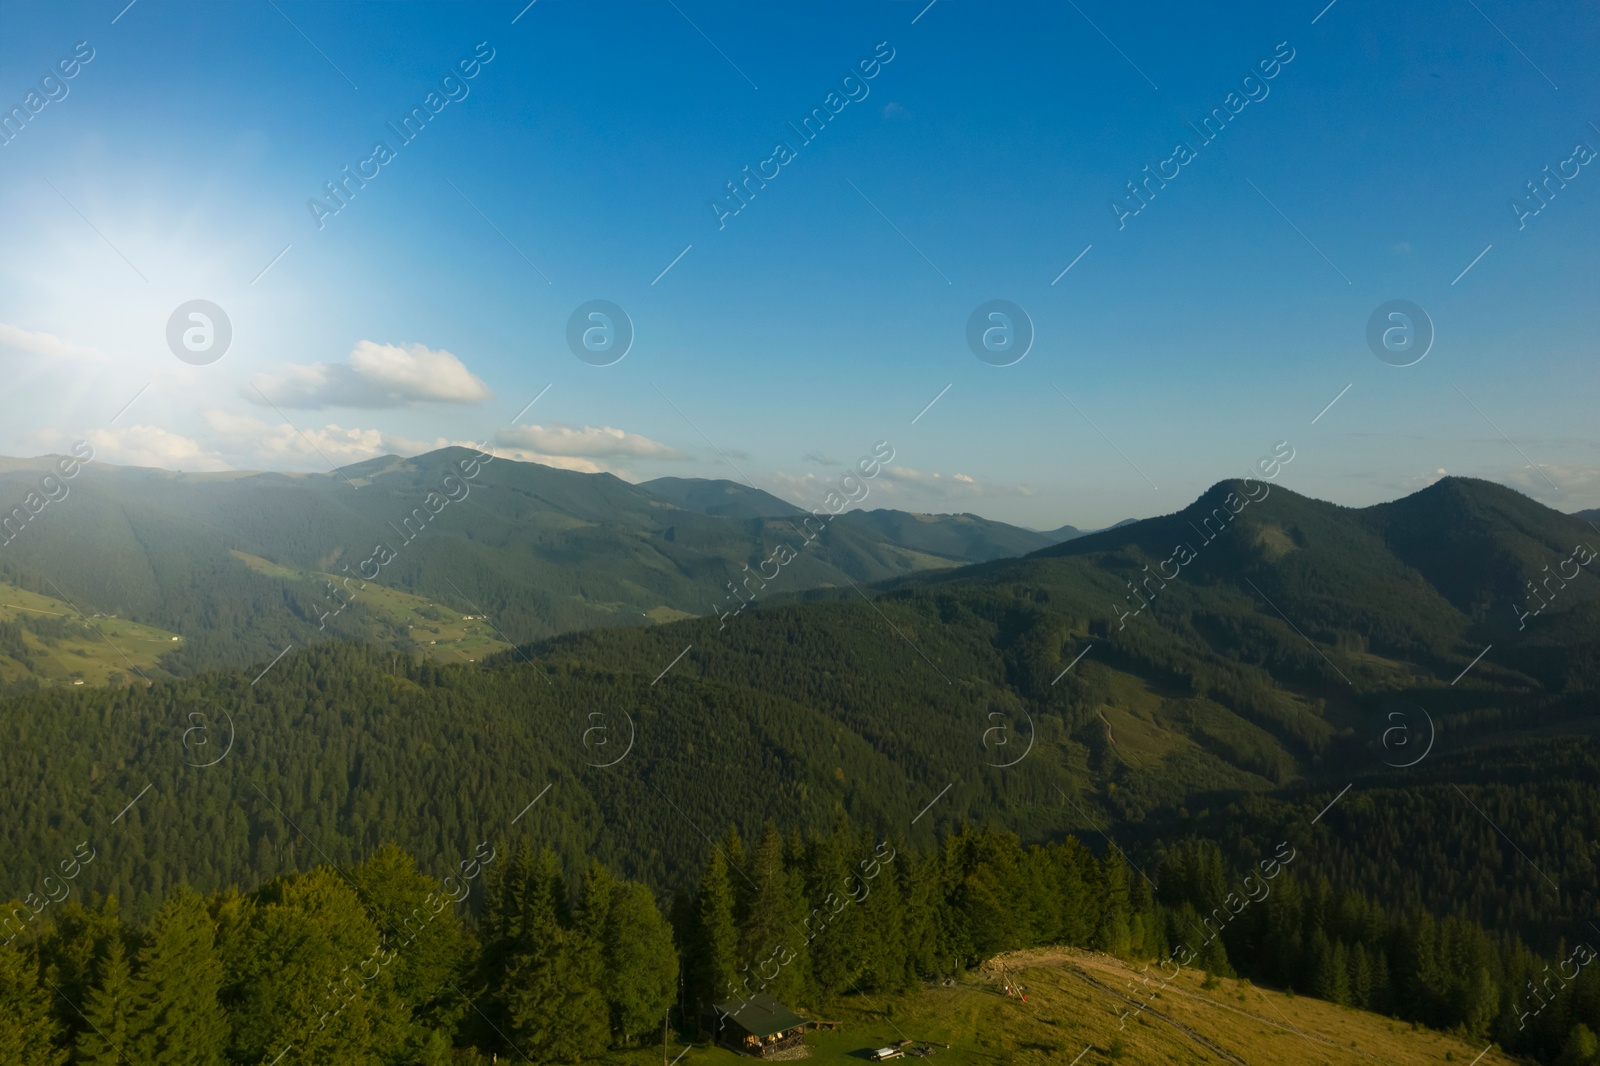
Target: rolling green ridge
(963, 537)
(1371, 683)
(834, 923)
(956, 536)
(720, 498)
(543, 551)
(1207, 700)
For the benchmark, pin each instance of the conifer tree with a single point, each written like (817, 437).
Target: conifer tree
(28, 1029)
(1382, 996)
(924, 957)
(1360, 977)
(420, 922)
(773, 947)
(1214, 957)
(953, 932)
(72, 952)
(988, 911)
(177, 1019)
(1330, 969)
(641, 962)
(738, 875)
(715, 954)
(554, 1010)
(589, 923)
(1141, 918)
(882, 929)
(106, 1010)
(836, 944)
(1075, 864)
(1114, 935)
(1581, 1048)
(304, 966)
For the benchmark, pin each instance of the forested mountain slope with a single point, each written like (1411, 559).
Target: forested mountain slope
(1014, 692)
(1352, 680)
(544, 551)
(957, 536)
(966, 538)
(381, 962)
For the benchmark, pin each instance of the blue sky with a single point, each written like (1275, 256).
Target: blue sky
(830, 310)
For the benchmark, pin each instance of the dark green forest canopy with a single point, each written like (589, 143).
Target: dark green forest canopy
(375, 962)
(545, 551)
(799, 712)
(1067, 692)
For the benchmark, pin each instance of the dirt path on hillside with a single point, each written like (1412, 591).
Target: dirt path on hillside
(1077, 962)
(1193, 1034)
(1280, 1022)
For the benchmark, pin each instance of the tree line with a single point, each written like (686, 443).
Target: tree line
(383, 964)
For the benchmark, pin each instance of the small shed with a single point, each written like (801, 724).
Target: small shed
(759, 1026)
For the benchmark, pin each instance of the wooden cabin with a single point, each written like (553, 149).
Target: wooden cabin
(758, 1026)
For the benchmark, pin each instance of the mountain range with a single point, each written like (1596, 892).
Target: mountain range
(240, 564)
(1229, 670)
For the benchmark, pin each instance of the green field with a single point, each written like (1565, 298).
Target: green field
(431, 628)
(69, 648)
(1074, 1013)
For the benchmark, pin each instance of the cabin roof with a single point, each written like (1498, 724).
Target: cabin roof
(760, 1015)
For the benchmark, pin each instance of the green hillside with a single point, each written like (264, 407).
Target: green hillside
(955, 536)
(397, 618)
(721, 498)
(965, 538)
(1014, 683)
(1114, 687)
(543, 551)
(973, 947)
(1076, 1003)
(47, 643)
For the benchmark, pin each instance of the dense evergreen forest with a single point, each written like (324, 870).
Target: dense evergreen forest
(1067, 696)
(382, 964)
(338, 748)
(546, 551)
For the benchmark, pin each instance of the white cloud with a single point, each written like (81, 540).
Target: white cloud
(905, 475)
(273, 444)
(376, 376)
(590, 442)
(560, 462)
(141, 445)
(1417, 482)
(1576, 488)
(46, 344)
(276, 445)
(917, 483)
(1579, 486)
